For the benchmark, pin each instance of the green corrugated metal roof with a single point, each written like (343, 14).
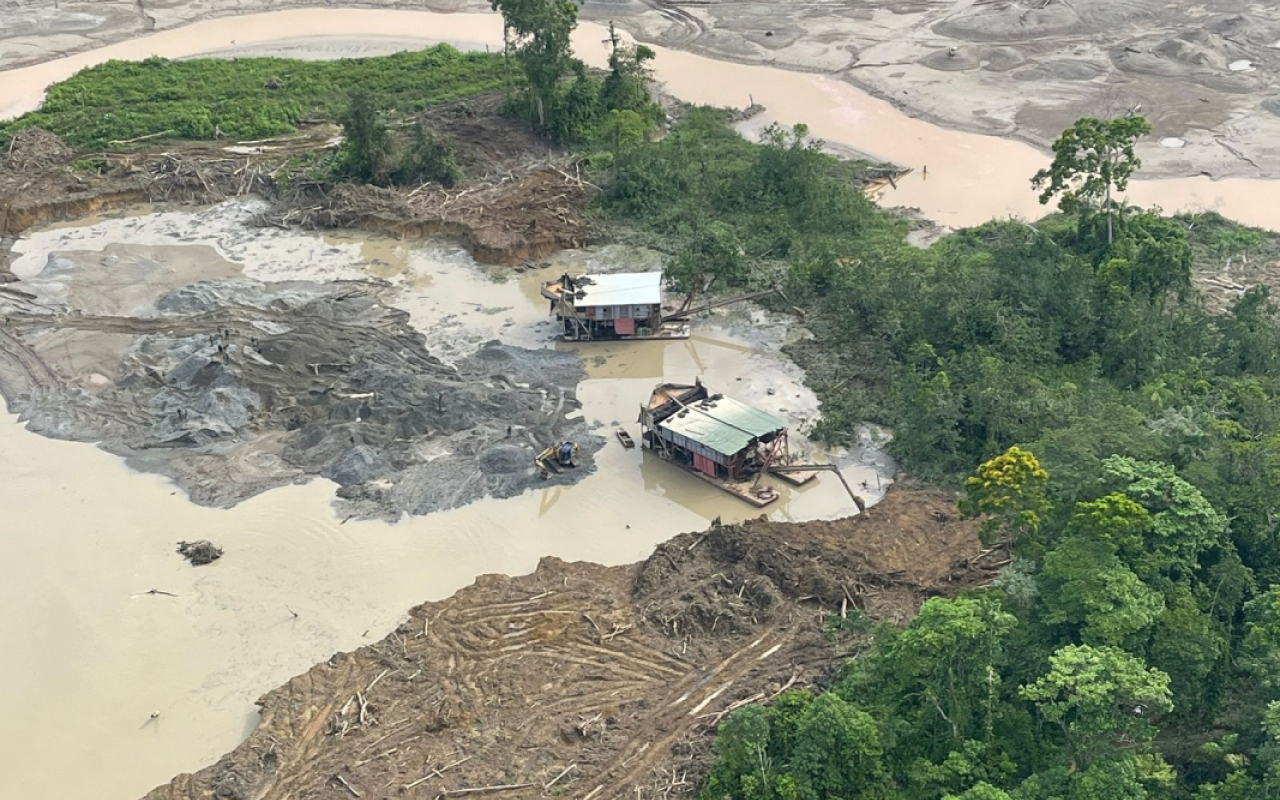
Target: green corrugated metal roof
(724, 425)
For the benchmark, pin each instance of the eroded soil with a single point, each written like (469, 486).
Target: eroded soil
(595, 681)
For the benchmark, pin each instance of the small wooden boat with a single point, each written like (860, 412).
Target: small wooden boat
(625, 438)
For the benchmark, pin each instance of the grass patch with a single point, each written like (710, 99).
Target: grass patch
(247, 98)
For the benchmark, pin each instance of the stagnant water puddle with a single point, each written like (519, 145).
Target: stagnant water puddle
(91, 656)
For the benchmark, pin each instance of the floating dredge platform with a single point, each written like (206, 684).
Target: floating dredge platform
(719, 440)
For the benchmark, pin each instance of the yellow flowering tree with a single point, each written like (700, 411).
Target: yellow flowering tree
(1009, 491)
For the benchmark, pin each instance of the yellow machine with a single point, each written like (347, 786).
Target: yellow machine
(556, 458)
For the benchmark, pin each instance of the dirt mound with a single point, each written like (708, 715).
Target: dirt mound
(510, 219)
(900, 552)
(36, 149)
(569, 681)
(200, 552)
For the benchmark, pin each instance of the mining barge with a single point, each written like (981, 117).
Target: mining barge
(719, 440)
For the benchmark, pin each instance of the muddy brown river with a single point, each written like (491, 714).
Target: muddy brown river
(86, 656)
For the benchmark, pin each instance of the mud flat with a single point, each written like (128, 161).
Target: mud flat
(972, 177)
(579, 678)
(172, 358)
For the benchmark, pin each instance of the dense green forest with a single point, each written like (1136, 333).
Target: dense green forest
(1129, 448)
(1114, 431)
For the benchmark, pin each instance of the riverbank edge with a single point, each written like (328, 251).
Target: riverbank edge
(1015, 133)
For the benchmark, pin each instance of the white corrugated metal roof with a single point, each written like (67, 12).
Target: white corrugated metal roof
(622, 289)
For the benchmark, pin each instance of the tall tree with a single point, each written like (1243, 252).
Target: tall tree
(1009, 491)
(367, 145)
(627, 85)
(542, 29)
(1091, 159)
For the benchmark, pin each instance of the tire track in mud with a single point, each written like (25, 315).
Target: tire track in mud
(24, 362)
(692, 27)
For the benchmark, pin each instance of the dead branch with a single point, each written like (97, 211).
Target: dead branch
(557, 778)
(348, 786)
(374, 683)
(438, 772)
(480, 789)
(142, 139)
(364, 707)
(588, 618)
(617, 629)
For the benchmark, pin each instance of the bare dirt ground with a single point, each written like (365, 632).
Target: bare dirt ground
(592, 681)
(1206, 75)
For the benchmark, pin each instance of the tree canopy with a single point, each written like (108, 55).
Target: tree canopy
(1091, 159)
(1121, 438)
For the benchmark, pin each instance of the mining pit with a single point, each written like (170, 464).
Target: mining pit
(174, 360)
(109, 305)
(304, 345)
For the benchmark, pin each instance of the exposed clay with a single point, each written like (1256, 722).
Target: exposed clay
(579, 676)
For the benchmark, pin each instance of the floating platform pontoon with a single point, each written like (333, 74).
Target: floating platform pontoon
(756, 494)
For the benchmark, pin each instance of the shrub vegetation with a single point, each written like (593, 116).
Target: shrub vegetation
(248, 98)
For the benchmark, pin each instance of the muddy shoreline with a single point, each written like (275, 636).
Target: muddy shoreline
(622, 672)
(923, 59)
